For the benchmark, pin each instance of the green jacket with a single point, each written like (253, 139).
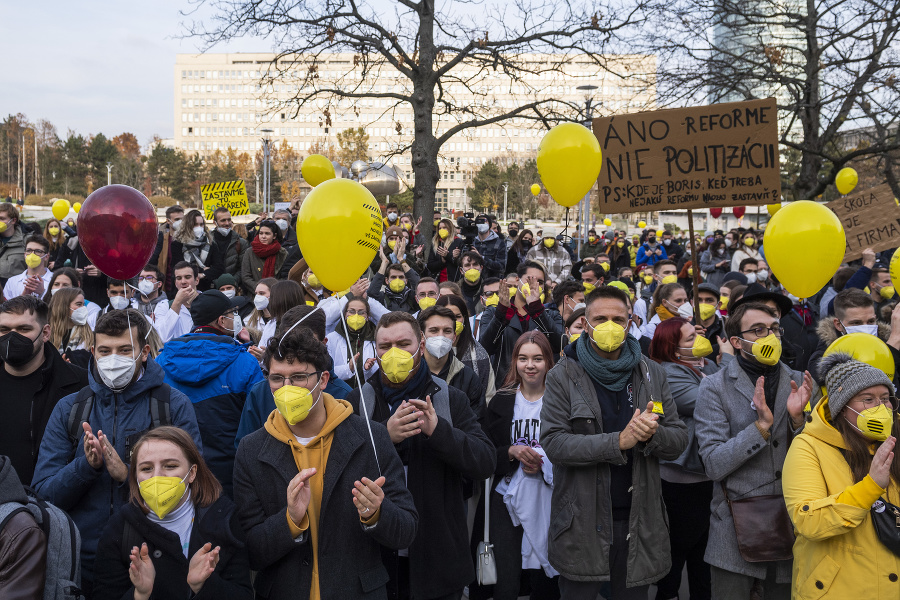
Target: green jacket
(581, 525)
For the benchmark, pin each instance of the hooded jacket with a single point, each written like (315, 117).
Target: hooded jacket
(216, 373)
(646, 254)
(493, 250)
(405, 300)
(91, 496)
(349, 556)
(837, 553)
(23, 546)
(231, 249)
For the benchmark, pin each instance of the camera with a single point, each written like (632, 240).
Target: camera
(467, 229)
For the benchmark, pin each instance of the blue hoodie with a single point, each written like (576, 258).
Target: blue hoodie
(216, 373)
(91, 497)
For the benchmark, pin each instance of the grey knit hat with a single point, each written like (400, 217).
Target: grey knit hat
(845, 377)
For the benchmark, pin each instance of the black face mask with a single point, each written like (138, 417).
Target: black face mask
(513, 233)
(16, 349)
(527, 243)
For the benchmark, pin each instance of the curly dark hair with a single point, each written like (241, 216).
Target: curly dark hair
(300, 345)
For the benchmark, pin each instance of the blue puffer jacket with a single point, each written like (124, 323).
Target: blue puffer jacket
(216, 373)
(260, 404)
(91, 497)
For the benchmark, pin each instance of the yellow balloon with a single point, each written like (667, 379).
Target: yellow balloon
(77, 207)
(660, 232)
(846, 180)
(607, 221)
(865, 348)
(535, 189)
(642, 224)
(315, 169)
(339, 231)
(60, 208)
(569, 162)
(894, 269)
(804, 246)
(772, 209)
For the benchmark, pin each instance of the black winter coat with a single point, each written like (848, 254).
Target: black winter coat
(350, 564)
(439, 559)
(231, 249)
(216, 524)
(437, 263)
(214, 263)
(498, 336)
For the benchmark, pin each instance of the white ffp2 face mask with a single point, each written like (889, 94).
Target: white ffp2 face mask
(116, 371)
(438, 346)
(228, 293)
(118, 302)
(145, 287)
(261, 302)
(865, 328)
(80, 315)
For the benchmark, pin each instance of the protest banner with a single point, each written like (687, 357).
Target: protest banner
(227, 194)
(722, 155)
(871, 219)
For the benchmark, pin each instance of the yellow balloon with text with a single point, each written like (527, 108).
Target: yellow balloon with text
(846, 180)
(339, 230)
(642, 224)
(607, 221)
(535, 189)
(60, 208)
(569, 162)
(316, 168)
(772, 209)
(77, 207)
(805, 245)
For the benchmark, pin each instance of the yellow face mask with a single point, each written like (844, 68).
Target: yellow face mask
(669, 279)
(391, 244)
(407, 226)
(459, 326)
(356, 322)
(592, 239)
(427, 302)
(588, 288)
(2, 226)
(605, 266)
(707, 311)
(691, 272)
(648, 279)
(492, 301)
(664, 313)
(749, 241)
(574, 337)
(875, 423)
(54, 231)
(472, 275)
(313, 281)
(723, 302)
(397, 364)
(32, 260)
(887, 292)
(294, 402)
(397, 285)
(443, 234)
(549, 242)
(436, 223)
(526, 289)
(608, 335)
(162, 494)
(620, 244)
(701, 347)
(767, 350)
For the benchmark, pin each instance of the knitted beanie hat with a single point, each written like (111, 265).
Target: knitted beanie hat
(845, 377)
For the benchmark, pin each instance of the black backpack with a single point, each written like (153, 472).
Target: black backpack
(160, 415)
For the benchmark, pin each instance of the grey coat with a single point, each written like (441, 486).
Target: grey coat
(714, 275)
(734, 451)
(12, 256)
(349, 555)
(572, 436)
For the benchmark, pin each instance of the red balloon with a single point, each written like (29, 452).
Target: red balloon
(117, 230)
(739, 211)
(715, 213)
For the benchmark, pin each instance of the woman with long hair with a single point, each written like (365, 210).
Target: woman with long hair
(69, 329)
(443, 262)
(619, 257)
(179, 536)
(467, 349)
(841, 478)
(519, 249)
(715, 262)
(265, 256)
(64, 277)
(686, 489)
(667, 299)
(513, 423)
(261, 315)
(193, 243)
(54, 234)
(283, 296)
(354, 350)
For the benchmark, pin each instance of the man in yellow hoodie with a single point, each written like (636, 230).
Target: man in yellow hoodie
(315, 468)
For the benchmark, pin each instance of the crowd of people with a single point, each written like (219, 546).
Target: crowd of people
(500, 415)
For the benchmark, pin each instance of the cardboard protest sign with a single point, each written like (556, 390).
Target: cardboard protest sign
(228, 194)
(723, 155)
(871, 219)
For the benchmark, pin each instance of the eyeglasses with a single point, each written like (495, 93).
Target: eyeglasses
(761, 332)
(150, 278)
(489, 294)
(36, 252)
(890, 401)
(297, 379)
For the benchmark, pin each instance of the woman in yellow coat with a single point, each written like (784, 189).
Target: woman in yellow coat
(836, 469)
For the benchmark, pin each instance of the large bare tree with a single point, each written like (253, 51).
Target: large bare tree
(832, 65)
(437, 58)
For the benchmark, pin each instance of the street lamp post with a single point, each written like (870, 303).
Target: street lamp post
(584, 209)
(109, 167)
(505, 188)
(267, 179)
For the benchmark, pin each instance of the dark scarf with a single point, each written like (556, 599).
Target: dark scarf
(611, 374)
(355, 345)
(415, 387)
(269, 253)
(755, 370)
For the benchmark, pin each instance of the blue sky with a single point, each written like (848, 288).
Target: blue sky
(95, 65)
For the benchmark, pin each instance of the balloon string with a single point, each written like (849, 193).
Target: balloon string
(362, 400)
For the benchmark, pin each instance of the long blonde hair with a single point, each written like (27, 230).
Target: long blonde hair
(61, 319)
(436, 240)
(185, 233)
(60, 239)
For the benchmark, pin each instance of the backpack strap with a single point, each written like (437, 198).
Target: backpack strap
(10, 509)
(160, 408)
(130, 539)
(78, 414)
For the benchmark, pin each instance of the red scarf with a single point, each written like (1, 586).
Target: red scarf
(270, 253)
